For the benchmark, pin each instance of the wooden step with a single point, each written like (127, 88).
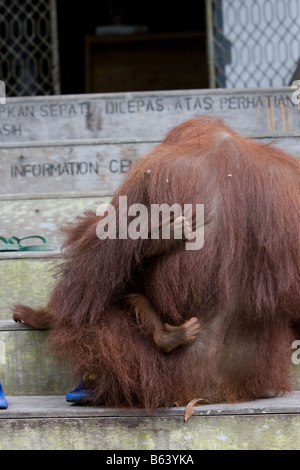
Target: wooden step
(26, 215)
(50, 423)
(28, 368)
(26, 278)
(26, 365)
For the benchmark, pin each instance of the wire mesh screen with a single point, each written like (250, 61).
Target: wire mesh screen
(28, 47)
(256, 43)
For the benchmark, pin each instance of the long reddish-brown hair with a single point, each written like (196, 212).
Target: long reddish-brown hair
(243, 285)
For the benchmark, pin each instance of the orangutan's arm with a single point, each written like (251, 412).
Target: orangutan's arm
(39, 319)
(165, 336)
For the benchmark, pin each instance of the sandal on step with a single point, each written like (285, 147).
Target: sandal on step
(44, 246)
(79, 394)
(8, 245)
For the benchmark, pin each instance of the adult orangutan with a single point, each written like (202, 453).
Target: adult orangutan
(233, 302)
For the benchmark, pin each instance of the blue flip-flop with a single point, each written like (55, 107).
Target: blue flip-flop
(79, 394)
(3, 401)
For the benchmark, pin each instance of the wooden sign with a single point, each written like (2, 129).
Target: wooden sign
(69, 168)
(86, 143)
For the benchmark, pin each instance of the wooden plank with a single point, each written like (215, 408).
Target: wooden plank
(295, 374)
(42, 216)
(56, 407)
(27, 367)
(289, 144)
(25, 280)
(158, 434)
(78, 143)
(26, 277)
(69, 169)
(256, 111)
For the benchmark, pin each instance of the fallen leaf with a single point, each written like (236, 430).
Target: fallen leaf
(189, 409)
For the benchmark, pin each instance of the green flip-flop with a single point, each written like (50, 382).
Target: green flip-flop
(45, 246)
(8, 245)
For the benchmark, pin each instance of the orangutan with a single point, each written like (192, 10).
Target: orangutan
(234, 299)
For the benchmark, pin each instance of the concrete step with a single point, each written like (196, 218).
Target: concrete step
(26, 365)
(50, 423)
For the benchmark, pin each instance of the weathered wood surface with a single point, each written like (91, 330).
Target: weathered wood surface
(87, 142)
(26, 278)
(256, 111)
(68, 168)
(262, 432)
(57, 407)
(50, 423)
(26, 365)
(98, 167)
(28, 368)
(24, 216)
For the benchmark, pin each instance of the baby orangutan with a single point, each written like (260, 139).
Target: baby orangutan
(165, 336)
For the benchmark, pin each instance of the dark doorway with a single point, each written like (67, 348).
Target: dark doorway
(111, 46)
